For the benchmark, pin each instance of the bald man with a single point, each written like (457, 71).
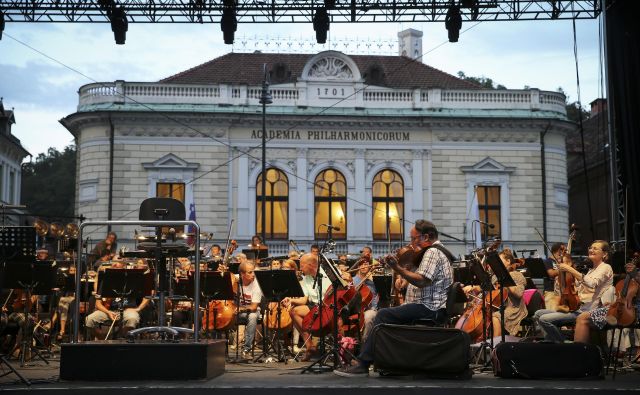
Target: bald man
(301, 306)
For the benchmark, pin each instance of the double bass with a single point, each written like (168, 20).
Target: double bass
(222, 313)
(623, 310)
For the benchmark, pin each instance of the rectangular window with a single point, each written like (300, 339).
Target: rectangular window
(173, 190)
(489, 210)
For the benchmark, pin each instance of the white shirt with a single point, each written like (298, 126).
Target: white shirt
(250, 293)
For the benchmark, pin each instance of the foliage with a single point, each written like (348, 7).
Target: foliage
(485, 82)
(574, 110)
(48, 184)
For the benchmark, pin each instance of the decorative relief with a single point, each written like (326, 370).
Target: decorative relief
(292, 165)
(330, 67)
(407, 165)
(351, 167)
(253, 164)
(489, 137)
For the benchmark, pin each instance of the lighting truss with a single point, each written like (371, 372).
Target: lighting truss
(289, 11)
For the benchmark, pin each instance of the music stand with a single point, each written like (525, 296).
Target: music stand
(484, 281)
(256, 253)
(125, 284)
(3, 358)
(337, 282)
(504, 280)
(162, 209)
(18, 243)
(36, 278)
(536, 267)
(277, 285)
(214, 285)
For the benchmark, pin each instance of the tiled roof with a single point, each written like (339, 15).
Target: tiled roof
(247, 68)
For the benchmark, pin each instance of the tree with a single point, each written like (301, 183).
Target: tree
(48, 184)
(482, 81)
(574, 109)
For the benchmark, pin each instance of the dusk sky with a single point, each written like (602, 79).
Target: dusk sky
(43, 65)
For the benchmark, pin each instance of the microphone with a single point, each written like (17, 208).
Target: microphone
(331, 227)
(485, 223)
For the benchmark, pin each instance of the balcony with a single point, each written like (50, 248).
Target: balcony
(308, 94)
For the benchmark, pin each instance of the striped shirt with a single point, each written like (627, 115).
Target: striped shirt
(435, 267)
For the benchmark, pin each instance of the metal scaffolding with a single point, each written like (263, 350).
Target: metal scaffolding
(289, 11)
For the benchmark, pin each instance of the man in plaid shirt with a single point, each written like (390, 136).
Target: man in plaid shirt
(426, 296)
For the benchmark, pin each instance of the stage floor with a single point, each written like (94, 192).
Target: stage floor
(278, 378)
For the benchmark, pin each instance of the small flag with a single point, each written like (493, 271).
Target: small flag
(191, 230)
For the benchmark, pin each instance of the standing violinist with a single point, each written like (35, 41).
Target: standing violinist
(551, 289)
(309, 266)
(598, 318)
(591, 287)
(426, 296)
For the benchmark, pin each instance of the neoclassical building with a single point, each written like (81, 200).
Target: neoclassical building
(367, 144)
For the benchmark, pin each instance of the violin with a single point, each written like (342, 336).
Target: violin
(569, 300)
(622, 311)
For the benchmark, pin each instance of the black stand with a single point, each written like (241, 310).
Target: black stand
(485, 285)
(214, 286)
(161, 209)
(125, 284)
(504, 280)
(337, 283)
(36, 278)
(277, 285)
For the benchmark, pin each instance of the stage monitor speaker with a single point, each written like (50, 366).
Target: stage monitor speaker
(145, 360)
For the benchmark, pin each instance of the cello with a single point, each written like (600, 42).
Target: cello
(569, 300)
(623, 311)
(222, 313)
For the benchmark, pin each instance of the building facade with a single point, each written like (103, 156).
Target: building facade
(11, 155)
(366, 144)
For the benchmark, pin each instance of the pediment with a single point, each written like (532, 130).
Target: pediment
(331, 66)
(170, 161)
(487, 165)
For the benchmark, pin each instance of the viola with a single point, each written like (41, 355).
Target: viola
(569, 300)
(622, 311)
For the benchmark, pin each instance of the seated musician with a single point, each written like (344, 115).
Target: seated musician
(515, 308)
(107, 310)
(426, 293)
(590, 287)
(315, 249)
(251, 296)
(15, 305)
(104, 250)
(597, 318)
(551, 294)
(370, 311)
(301, 306)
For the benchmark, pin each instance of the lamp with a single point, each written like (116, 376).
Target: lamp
(229, 22)
(119, 25)
(453, 23)
(265, 98)
(321, 24)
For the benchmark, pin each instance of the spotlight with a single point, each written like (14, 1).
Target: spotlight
(228, 24)
(330, 4)
(119, 25)
(453, 23)
(1, 24)
(321, 25)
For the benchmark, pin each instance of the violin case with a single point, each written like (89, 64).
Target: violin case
(545, 360)
(421, 351)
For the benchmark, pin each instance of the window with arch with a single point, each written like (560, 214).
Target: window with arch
(277, 204)
(330, 197)
(388, 205)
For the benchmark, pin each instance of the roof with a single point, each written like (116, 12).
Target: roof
(247, 68)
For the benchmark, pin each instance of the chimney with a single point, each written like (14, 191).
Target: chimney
(410, 44)
(598, 106)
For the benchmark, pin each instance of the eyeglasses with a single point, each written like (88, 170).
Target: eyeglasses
(412, 238)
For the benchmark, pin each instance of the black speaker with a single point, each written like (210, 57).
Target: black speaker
(118, 360)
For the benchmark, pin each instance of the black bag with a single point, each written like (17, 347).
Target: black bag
(421, 350)
(547, 361)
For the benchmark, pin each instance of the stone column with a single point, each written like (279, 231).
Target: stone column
(299, 226)
(358, 229)
(244, 220)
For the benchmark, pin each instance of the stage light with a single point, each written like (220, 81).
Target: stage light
(119, 25)
(321, 24)
(1, 24)
(228, 24)
(329, 4)
(453, 23)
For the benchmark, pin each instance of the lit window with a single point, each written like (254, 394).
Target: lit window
(173, 190)
(330, 192)
(388, 205)
(276, 205)
(489, 210)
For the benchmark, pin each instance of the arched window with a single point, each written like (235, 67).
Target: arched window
(330, 192)
(388, 205)
(277, 204)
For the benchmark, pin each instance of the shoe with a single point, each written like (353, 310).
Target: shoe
(353, 371)
(296, 349)
(246, 354)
